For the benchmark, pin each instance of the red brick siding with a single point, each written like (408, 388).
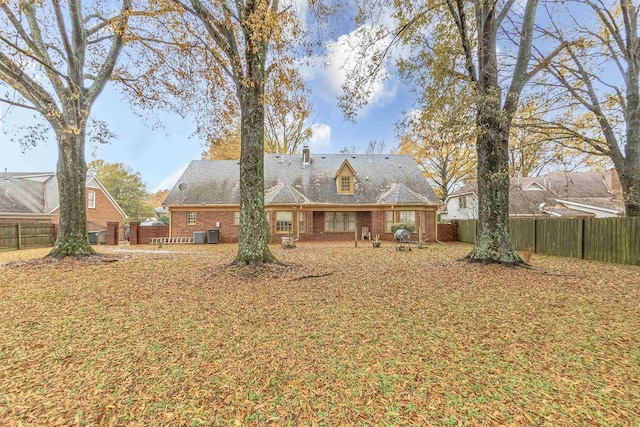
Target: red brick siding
(314, 225)
(146, 233)
(205, 220)
(446, 233)
(98, 217)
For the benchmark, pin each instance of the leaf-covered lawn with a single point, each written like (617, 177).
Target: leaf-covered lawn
(172, 336)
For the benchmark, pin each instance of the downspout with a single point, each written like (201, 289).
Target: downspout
(170, 235)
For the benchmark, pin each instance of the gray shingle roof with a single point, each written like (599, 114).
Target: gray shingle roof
(588, 188)
(380, 179)
(26, 193)
(30, 192)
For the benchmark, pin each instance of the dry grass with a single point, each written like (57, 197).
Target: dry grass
(343, 336)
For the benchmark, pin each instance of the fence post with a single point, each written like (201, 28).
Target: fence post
(19, 236)
(582, 236)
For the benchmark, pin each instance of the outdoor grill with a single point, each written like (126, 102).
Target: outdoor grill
(402, 239)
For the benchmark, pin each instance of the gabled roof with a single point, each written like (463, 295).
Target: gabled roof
(347, 165)
(399, 194)
(578, 184)
(586, 189)
(284, 195)
(288, 181)
(37, 193)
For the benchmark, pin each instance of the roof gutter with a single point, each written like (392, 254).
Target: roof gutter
(582, 205)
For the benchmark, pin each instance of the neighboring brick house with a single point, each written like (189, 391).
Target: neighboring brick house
(324, 197)
(33, 197)
(556, 194)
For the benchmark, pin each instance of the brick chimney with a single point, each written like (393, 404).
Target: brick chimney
(614, 184)
(306, 155)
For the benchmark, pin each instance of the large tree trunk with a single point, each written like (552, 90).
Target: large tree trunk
(254, 236)
(72, 237)
(630, 174)
(493, 243)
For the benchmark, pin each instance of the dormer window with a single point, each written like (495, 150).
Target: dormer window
(345, 184)
(345, 178)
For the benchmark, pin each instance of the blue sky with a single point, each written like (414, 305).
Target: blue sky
(160, 155)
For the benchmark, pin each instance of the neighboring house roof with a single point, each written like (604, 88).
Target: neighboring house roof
(557, 193)
(379, 179)
(578, 185)
(160, 211)
(38, 193)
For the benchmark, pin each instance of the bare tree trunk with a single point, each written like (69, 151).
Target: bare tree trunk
(630, 176)
(72, 237)
(254, 236)
(493, 243)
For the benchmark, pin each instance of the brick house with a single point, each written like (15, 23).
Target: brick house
(324, 197)
(33, 197)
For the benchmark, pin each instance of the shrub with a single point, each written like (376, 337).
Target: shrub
(404, 226)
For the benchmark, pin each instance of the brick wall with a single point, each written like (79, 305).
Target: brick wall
(429, 226)
(98, 217)
(104, 212)
(205, 220)
(146, 233)
(314, 225)
(447, 232)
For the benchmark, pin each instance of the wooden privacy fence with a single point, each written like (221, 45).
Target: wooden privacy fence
(26, 236)
(603, 239)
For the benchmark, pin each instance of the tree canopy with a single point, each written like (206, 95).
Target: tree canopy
(55, 59)
(126, 187)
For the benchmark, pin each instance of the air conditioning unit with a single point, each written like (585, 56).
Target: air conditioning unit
(213, 235)
(200, 237)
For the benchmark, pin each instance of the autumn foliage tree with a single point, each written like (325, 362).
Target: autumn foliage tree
(55, 58)
(286, 124)
(441, 145)
(536, 146)
(217, 57)
(460, 38)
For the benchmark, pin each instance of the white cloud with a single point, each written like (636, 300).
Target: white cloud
(171, 180)
(321, 139)
(350, 54)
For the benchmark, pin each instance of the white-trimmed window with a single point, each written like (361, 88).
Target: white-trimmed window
(91, 199)
(191, 218)
(388, 221)
(339, 221)
(462, 202)
(300, 222)
(407, 217)
(236, 218)
(283, 222)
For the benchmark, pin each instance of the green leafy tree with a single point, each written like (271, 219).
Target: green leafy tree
(126, 187)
